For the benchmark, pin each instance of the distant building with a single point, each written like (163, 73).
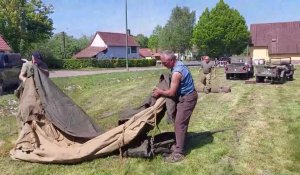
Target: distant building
(4, 47)
(146, 53)
(107, 45)
(275, 40)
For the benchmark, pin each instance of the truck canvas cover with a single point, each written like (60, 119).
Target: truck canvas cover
(56, 130)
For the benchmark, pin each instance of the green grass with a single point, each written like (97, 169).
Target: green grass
(264, 121)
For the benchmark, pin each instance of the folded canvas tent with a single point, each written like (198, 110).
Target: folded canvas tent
(56, 130)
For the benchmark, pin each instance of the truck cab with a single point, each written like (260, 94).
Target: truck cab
(10, 67)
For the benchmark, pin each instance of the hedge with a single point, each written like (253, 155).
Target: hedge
(111, 63)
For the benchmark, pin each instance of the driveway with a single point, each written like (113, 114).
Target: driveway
(72, 73)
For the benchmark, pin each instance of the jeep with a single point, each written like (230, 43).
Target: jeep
(276, 71)
(239, 68)
(10, 66)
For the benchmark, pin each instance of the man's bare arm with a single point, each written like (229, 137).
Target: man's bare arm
(176, 78)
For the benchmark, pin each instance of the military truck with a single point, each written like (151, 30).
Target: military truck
(278, 70)
(239, 68)
(10, 66)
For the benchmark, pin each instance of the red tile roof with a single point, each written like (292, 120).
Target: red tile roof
(280, 38)
(3, 45)
(89, 52)
(117, 39)
(145, 52)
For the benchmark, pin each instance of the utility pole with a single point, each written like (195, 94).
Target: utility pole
(126, 36)
(64, 44)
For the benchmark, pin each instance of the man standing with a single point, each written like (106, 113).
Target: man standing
(207, 67)
(182, 87)
(36, 58)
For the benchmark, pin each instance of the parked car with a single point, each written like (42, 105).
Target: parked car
(277, 71)
(10, 66)
(239, 68)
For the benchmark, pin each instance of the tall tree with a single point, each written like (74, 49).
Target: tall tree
(23, 22)
(142, 40)
(177, 33)
(221, 31)
(154, 38)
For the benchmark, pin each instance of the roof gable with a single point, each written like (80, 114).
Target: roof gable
(280, 38)
(3, 45)
(117, 39)
(98, 41)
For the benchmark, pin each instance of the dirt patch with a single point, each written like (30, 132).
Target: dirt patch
(1, 143)
(11, 108)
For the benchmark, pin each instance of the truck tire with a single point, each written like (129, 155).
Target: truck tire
(227, 76)
(259, 79)
(1, 89)
(282, 79)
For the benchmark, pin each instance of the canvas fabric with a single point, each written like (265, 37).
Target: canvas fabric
(56, 130)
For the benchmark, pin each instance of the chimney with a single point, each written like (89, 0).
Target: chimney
(128, 32)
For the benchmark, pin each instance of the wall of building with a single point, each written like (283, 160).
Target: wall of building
(295, 58)
(292, 56)
(259, 53)
(117, 52)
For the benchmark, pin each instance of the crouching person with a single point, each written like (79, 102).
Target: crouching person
(182, 86)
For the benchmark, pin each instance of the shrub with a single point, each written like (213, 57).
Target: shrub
(110, 63)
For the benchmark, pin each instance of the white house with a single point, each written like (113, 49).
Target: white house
(107, 45)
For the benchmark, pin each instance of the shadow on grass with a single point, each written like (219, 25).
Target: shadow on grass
(199, 139)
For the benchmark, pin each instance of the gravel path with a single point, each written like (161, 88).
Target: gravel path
(72, 73)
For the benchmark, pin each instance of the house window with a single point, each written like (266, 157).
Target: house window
(133, 49)
(128, 50)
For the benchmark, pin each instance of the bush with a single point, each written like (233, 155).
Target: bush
(84, 63)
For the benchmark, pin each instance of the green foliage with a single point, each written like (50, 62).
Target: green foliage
(86, 63)
(25, 22)
(154, 38)
(142, 40)
(221, 31)
(178, 32)
(53, 48)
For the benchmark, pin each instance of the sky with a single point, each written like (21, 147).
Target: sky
(86, 17)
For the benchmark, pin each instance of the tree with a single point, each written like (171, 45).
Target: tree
(23, 22)
(221, 31)
(178, 32)
(142, 40)
(154, 38)
(53, 48)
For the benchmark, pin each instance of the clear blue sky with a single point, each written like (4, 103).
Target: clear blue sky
(85, 17)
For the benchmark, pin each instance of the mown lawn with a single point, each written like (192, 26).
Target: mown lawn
(264, 123)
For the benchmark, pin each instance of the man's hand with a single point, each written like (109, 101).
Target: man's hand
(156, 92)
